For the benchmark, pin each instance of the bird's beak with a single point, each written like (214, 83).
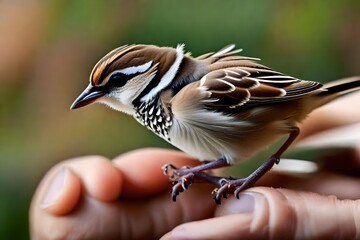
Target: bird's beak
(89, 95)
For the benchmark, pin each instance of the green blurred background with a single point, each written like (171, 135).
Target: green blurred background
(48, 48)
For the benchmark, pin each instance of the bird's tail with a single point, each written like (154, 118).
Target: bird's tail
(342, 86)
(338, 88)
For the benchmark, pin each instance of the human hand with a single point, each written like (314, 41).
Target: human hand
(93, 198)
(127, 198)
(90, 198)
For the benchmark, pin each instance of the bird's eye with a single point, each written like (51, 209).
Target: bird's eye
(118, 79)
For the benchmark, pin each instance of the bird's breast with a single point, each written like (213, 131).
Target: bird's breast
(154, 118)
(205, 135)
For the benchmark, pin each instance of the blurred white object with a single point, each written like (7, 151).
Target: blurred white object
(345, 136)
(295, 167)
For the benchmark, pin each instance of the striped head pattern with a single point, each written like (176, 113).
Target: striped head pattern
(131, 75)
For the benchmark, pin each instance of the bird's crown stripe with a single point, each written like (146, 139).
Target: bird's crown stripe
(100, 67)
(135, 69)
(167, 77)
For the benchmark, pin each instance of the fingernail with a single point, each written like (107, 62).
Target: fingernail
(245, 203)
(181, 232)
(56, 188)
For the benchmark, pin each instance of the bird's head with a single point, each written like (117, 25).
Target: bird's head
(130, 75)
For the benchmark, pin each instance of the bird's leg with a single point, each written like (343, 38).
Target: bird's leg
(176, 172)
(183, 177)
(237, 185)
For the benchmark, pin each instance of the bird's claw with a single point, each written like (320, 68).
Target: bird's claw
(176, 190)
(180, 185)
(220, 193)
(169, 170)
(229, 186)
(245, 185)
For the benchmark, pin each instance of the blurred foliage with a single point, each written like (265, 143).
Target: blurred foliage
(48, 48)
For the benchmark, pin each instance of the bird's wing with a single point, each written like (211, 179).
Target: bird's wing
(250, 86)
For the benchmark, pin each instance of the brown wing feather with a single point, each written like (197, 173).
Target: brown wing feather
(237, 81)
(244, 87)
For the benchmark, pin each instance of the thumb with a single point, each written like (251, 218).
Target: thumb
(277, 214)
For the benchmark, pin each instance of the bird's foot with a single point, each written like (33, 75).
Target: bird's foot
(175, 173)
(183, 177)
(231, 186)
(181, 184)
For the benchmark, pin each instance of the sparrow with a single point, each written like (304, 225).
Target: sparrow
(220, 108)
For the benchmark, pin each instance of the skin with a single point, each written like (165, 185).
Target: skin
(94, 198)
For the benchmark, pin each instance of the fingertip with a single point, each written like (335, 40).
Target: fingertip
(142, 170)
(101, 180)
(266, 210)
(272, 210)
(153, 157)
(285, 214)
(63, 193)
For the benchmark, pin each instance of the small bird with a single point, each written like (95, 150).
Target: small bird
(220, 107)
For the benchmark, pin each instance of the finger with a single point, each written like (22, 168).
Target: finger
(61, 188)
(100, 179)
(120, 219)
(278, 214)
(324, 183)
(60, 194)
(142, 170)
(140, 219)
(158, 215)
(337, 113)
